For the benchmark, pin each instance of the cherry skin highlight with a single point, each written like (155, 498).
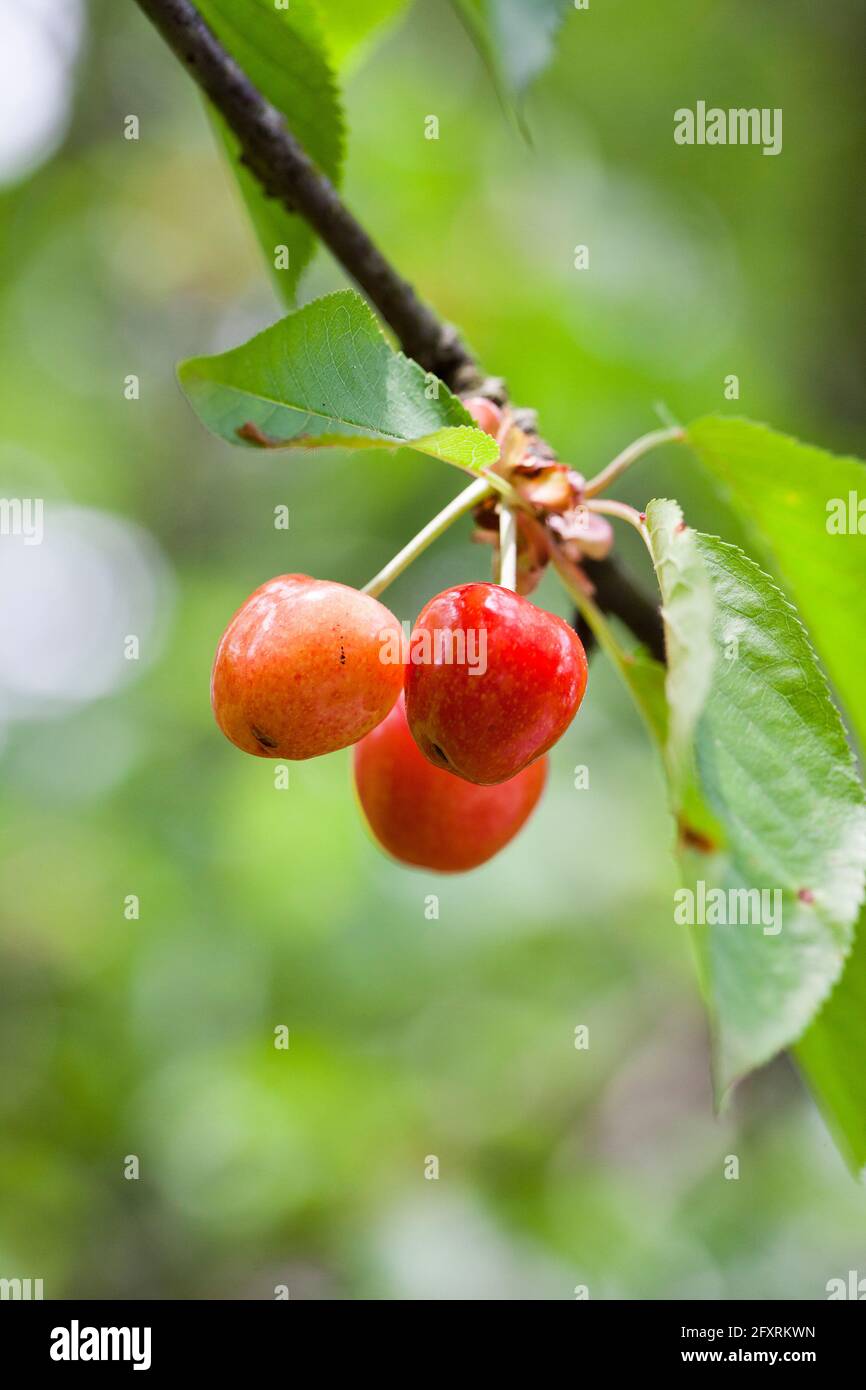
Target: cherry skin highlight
(303, 668)
(492, 681)
(428, 818)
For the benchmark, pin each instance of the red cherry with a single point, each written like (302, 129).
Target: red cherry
(429, 818)
(305, 666)
(492, 681)
(485, 413)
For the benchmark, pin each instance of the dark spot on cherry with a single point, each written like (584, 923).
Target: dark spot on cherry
(262, 738)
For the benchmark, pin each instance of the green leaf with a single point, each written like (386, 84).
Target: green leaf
(325, 375)
(831, 1055)
(350, 28)
(806, 507)
(516, 38)
(784, 488)
(283, 52)
(775, 767)
(784, 810)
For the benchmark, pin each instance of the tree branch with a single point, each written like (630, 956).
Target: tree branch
(287, 173)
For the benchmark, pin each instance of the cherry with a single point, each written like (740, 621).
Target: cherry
(492, 681)
(486, 414)
(302, 668)
(429, 818)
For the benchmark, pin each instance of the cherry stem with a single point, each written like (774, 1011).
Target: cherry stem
(608, 507)
(461, 504)
(507, 548)
(630, 455)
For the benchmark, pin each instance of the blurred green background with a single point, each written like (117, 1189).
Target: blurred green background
(409, 1037)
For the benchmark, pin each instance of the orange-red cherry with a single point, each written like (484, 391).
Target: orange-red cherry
(304, 667)
(492, 681)
(429, 818)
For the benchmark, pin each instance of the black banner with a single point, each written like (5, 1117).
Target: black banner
(84, 1338)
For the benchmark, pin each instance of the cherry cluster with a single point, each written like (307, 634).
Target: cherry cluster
(449, 755)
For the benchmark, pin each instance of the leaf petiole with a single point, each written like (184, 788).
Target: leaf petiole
(630, 455)
(609, 507)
